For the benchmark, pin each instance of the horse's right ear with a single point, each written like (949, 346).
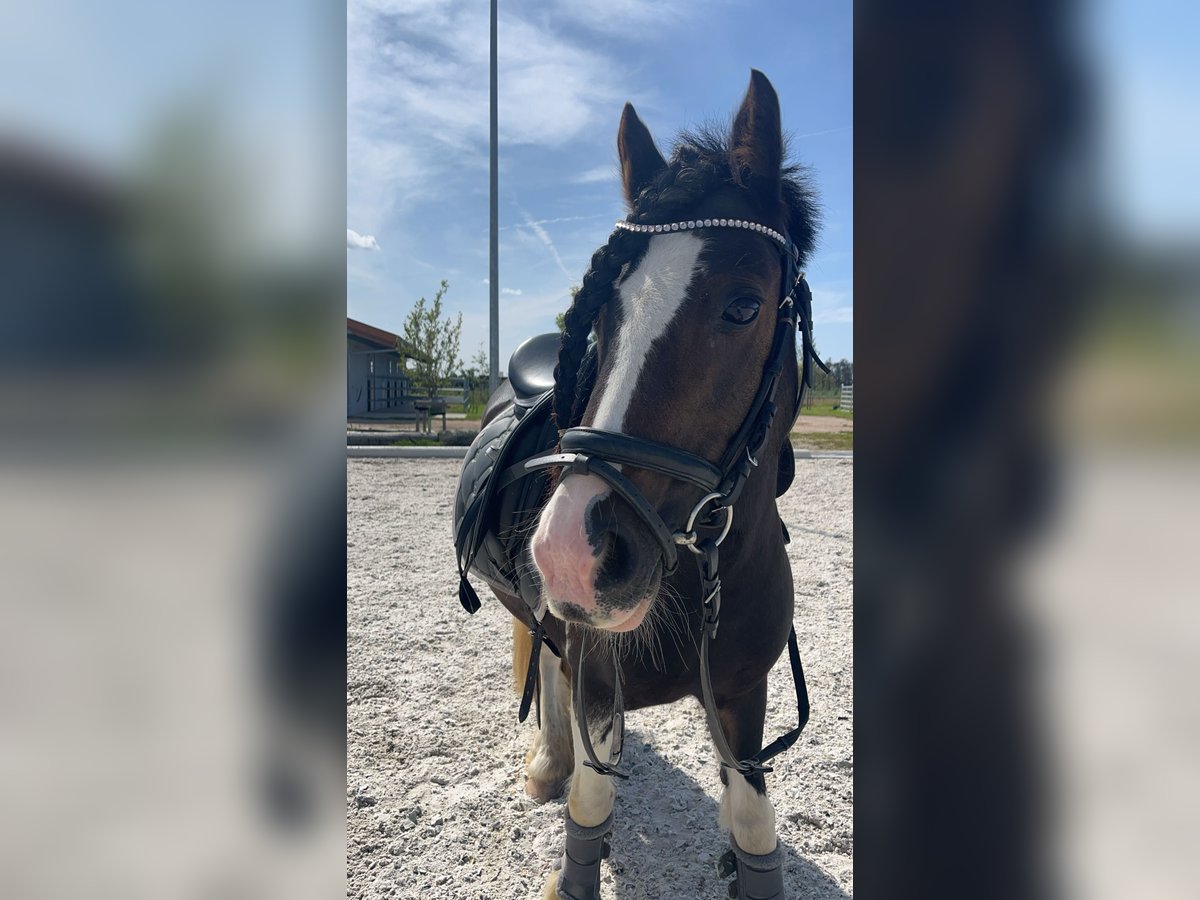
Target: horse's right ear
(640, 159)
(756, 153)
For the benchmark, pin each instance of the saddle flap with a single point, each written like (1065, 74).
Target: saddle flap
(487, 514)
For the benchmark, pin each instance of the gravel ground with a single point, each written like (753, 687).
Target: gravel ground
(435, 765)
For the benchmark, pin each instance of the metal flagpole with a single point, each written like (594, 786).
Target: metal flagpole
(494, 269)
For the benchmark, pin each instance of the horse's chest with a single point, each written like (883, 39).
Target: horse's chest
(751, 637)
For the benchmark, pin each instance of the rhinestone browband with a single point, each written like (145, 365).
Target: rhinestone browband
(711, 223)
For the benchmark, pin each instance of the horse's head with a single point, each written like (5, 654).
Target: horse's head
(684, 323)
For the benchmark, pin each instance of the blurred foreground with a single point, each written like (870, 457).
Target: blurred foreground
(172, 627)
(172, 631)
(1028, 451)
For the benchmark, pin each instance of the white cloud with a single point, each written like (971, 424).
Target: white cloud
(627, 18)
(356, 241)
(544, 237)
(417, 93)
(511, 292)
(557, 221)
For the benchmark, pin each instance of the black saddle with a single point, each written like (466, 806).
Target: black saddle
(531, 369)
(491, 521)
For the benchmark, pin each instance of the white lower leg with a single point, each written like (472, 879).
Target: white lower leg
(551, 757)
(749, 815)
(591, 798)
(589, 806)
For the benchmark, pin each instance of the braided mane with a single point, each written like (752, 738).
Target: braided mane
(700, 162)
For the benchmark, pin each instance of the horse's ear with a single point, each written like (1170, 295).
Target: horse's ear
(756, 152)
(640, 159)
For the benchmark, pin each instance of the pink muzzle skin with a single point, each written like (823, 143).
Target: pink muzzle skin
(569, 564)
(562, 552)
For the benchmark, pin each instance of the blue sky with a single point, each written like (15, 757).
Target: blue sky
(1143, 61)
(417, 131)
(91, 82)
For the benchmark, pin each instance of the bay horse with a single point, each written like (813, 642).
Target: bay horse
(677, 352)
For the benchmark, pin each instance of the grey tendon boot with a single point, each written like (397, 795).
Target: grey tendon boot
(758, 877)
(580, 876)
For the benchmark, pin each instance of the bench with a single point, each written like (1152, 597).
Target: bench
(427, 408)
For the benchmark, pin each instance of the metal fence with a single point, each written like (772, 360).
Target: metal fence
(388, 392)
(847, 401)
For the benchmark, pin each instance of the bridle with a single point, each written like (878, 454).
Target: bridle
(591, 451)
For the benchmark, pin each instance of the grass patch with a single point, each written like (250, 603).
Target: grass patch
(472, 410)
(823, 440)
(824, 406)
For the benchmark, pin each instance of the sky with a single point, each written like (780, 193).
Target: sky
(90, 82)
(94, 84)
(1147, 85)
(417, 141)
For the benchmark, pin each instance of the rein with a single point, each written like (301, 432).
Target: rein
(597, 452)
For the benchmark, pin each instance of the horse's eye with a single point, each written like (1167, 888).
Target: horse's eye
(742, 311)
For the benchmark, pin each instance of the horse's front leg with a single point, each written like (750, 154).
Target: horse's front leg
(746, 811)
(549, 763)
(589, 811)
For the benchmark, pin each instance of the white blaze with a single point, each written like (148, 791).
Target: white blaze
(649, 297)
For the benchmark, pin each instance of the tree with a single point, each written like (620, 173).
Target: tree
(842, 371)
(561, 319)
(478, 369)
(476, 376)
(432, 343)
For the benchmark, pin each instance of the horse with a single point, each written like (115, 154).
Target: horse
(677, 353)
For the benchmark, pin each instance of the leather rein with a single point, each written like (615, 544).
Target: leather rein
(593, 451)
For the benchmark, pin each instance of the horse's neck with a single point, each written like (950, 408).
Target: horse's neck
(756, 518)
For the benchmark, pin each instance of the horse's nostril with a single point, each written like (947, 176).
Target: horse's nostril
(620, 560)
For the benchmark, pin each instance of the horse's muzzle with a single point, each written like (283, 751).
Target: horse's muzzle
(597, 564)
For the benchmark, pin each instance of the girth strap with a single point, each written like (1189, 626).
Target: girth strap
(533, 679)
(533, 674)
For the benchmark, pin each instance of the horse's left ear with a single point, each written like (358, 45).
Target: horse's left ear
(756, 153)
(640, 159)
